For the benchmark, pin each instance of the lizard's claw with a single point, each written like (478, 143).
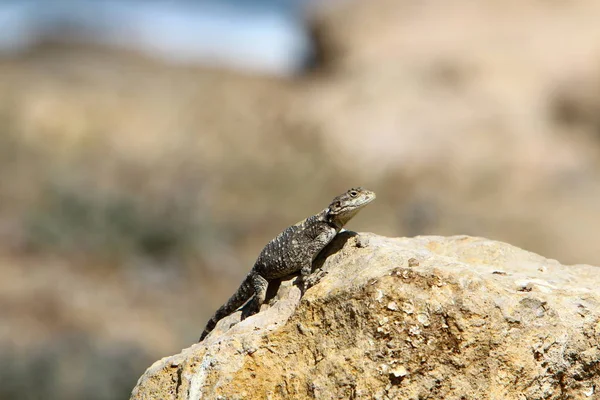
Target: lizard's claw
(312, 280)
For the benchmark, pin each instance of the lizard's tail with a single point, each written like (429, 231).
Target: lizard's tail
(244, 292)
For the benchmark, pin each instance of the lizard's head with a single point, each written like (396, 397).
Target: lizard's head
(348, 204)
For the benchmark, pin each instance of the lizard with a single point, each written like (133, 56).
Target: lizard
(291, 251)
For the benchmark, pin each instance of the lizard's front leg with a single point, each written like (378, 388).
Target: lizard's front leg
(308, 278)
(314, 246)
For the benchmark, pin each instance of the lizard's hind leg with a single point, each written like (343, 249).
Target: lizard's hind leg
(260, 286)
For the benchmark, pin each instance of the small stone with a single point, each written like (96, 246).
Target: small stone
(408, 308)
(392, 306)
(423, 319)
(384, 368)
(399, 372)
(413, 262)
(301, 328)
(414, 330)
(524, 286)
(362, 242)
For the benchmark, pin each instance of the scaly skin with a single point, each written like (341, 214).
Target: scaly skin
(293, 250)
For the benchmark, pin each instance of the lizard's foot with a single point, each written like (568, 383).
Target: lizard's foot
(250, 309)
(311, 280)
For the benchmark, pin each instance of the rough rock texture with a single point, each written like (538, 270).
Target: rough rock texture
(420, 318)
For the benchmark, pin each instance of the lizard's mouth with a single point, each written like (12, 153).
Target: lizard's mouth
(369, 198)
(353, 209)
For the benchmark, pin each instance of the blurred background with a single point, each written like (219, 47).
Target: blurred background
(149, 149)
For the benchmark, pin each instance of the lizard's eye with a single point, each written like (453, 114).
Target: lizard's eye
(353, 193)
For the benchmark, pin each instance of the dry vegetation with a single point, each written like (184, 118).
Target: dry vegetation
(135, 196)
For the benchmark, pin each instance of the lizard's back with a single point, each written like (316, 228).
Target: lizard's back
(282, 256)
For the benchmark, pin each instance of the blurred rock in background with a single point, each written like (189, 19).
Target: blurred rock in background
(138, 181)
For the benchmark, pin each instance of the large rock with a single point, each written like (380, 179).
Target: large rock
(421, 318)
